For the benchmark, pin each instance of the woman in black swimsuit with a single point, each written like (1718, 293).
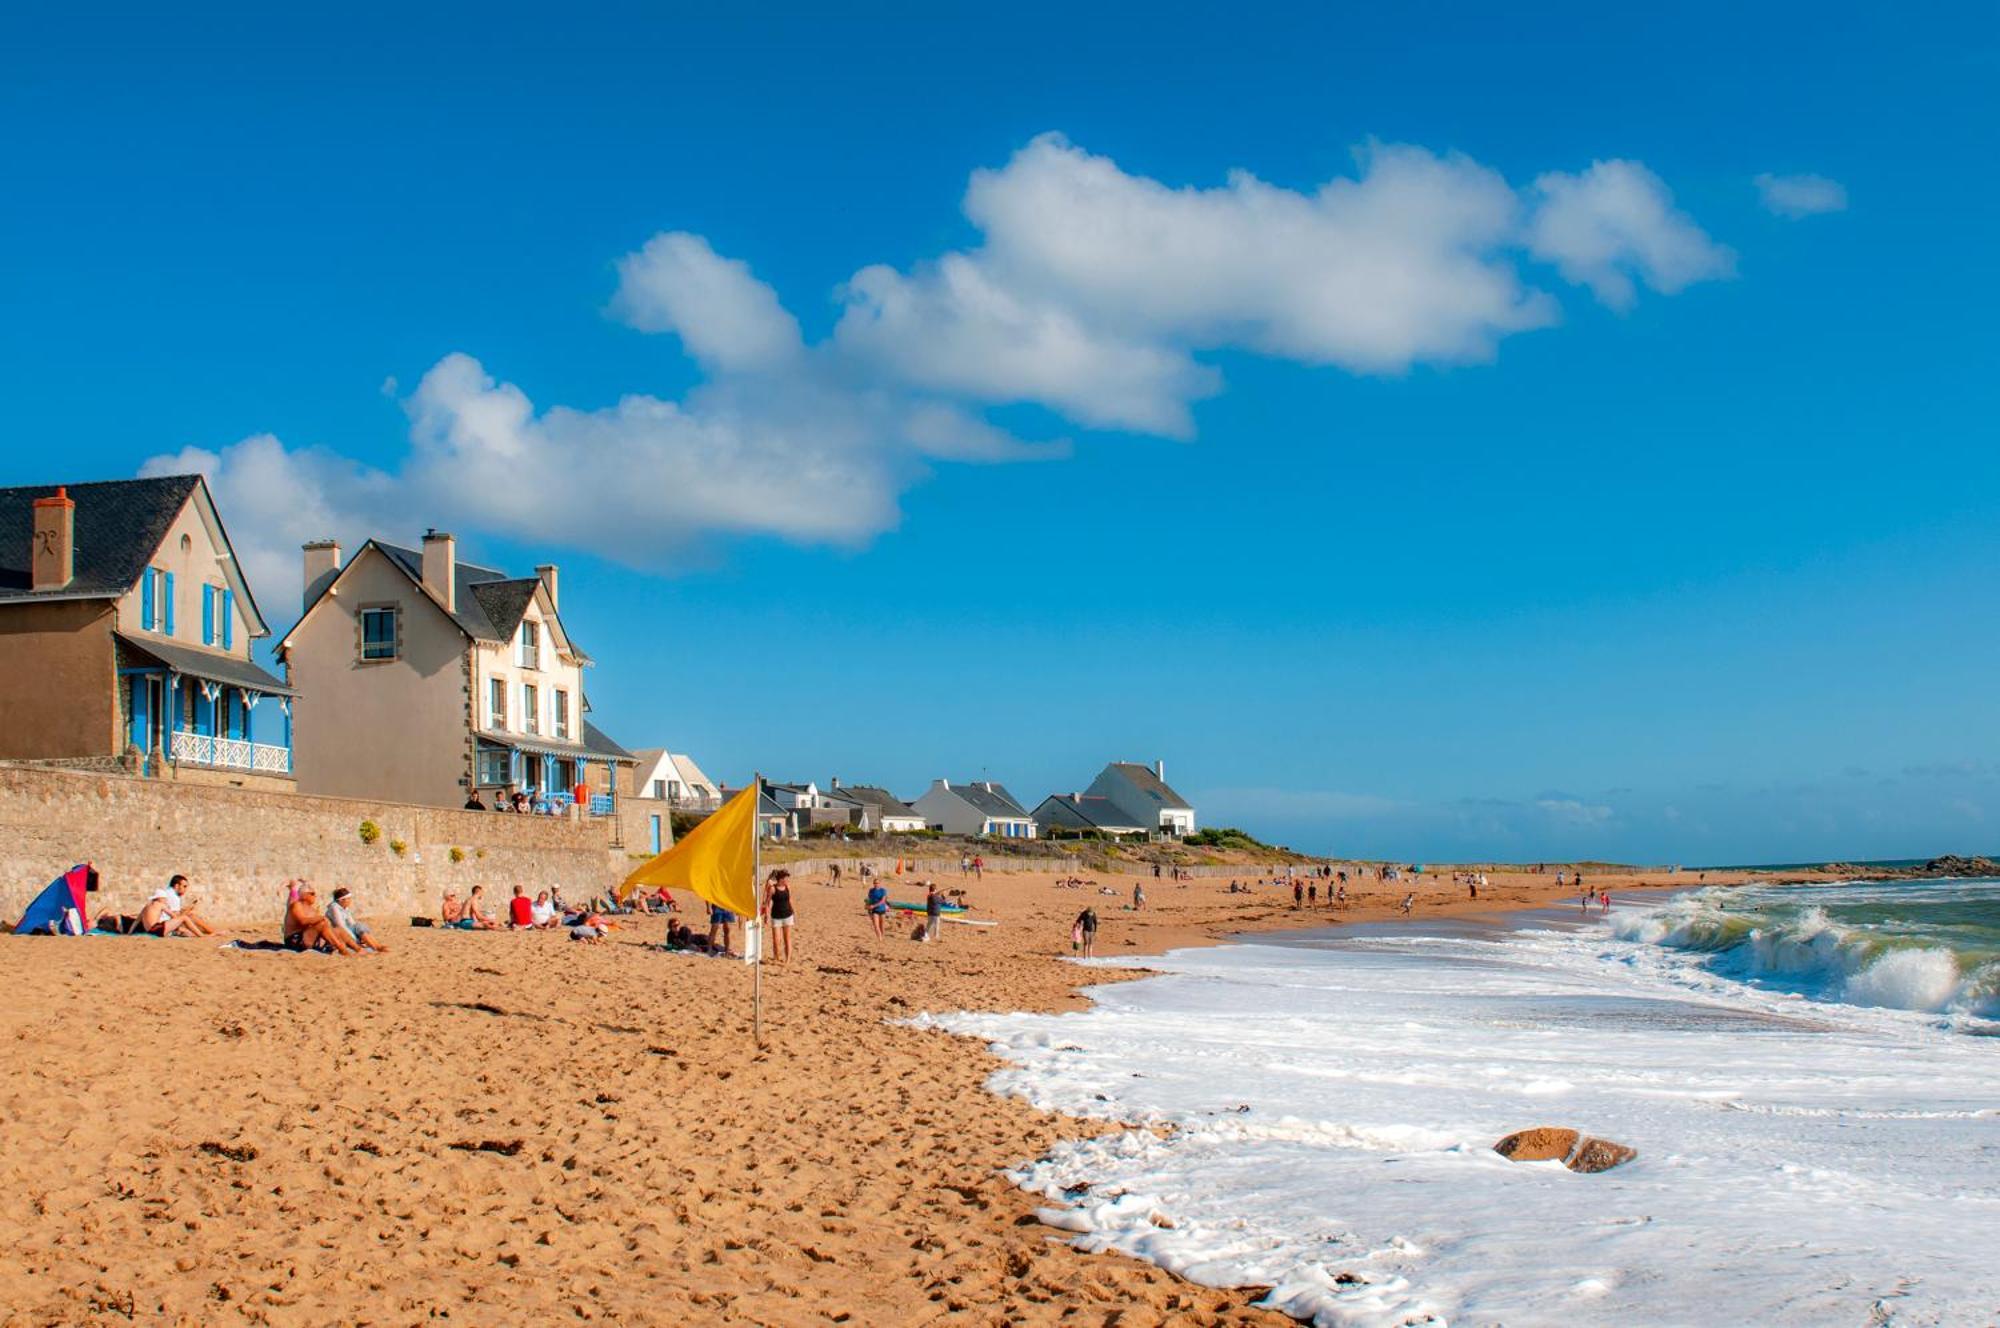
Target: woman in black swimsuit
(778, 910)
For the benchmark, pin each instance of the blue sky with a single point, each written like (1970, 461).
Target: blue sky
(1551, 488)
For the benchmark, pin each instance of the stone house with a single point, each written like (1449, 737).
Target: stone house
(425, 679)
(1142, 794)
(125, 630)
(980, 807)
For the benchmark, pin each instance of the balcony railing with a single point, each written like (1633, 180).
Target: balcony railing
(261, 758)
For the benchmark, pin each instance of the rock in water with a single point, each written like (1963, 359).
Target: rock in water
(1577, 1151)
(1594, 1155)
(1538, 1145)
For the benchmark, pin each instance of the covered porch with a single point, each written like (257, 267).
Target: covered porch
(549, 771)
(194, 709)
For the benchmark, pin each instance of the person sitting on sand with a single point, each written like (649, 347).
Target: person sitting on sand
(182, 919)
(476, 918)
(520, 910)
(156, 919)
(452, 913)
(543, 912)
(306, 928)
(340, 914)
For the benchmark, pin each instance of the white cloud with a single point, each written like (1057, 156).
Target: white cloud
(1797, 196)
(951, 328)
(1094, 293)
(1616, 221)
(725, 317)
(273, 499)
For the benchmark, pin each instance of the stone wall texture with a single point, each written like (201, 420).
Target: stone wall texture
(239, 846)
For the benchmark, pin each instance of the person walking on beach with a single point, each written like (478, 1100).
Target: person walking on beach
(876, 905)
(779, 912)
(933, 912)
(1298, 894)
(978, 867)
(1312, 895)
(1139, 895)
(1085, 931)
(1409, 902)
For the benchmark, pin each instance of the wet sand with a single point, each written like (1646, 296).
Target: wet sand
(497, 1128)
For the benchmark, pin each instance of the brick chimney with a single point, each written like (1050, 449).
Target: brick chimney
(441, 568)
(54, 554)
(547, 571)
(322, 564)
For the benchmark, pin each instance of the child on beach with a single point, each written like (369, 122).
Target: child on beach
(1409, 902)
(933, 912)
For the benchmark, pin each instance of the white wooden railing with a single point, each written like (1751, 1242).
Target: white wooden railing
(231, 754)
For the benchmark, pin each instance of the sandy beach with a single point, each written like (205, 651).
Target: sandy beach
(494, 1128)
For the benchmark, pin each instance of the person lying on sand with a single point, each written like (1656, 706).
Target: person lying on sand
(340, 914)
(587, 934)
(306, 928)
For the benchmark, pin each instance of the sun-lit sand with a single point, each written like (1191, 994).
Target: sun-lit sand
(490, 1128)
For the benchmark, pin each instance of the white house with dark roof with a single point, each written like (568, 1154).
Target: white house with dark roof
(426, 679)
(1088, 814)
(977, 807)
(125, 635)
(882, 810)
(1142, 794)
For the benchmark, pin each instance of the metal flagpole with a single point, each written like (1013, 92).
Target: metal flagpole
(754, 925)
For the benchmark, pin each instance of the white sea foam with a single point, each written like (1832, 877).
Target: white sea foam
(1330, 1113)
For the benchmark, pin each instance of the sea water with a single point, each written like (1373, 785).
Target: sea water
(1817, 1114)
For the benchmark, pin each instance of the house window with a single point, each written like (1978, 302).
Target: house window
(660, 790)
(496, 704)
(562, 714)
(378, 632)
(531, 646)
(531, 709)
(496, 766)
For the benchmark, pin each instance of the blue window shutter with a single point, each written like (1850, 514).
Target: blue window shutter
(228, 619)
(208, 615)
(168, 613)
(146, 599)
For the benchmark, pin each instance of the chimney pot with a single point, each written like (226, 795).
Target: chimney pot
(547, 572)
(1160, 771)
(52, 559)
(322, 564)
(441, 568)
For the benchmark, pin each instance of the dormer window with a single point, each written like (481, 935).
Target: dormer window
(531, 646)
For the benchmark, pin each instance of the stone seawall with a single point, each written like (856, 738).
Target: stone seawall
(239, 846)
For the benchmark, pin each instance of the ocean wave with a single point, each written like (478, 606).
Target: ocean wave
(1810, 952)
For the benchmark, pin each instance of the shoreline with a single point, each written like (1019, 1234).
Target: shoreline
(208, 1137)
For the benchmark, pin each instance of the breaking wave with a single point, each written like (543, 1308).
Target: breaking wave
(1926, 947)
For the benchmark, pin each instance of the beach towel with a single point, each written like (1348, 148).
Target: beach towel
(60, 909)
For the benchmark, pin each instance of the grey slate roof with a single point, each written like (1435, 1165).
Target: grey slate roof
(883, 801)
(991, 799)
(601, 744)
(205, 664)
(119, 525)
(1087, 811)
(1150, 784)
(480, 592)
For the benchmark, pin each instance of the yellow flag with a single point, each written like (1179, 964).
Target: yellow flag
(717, 860)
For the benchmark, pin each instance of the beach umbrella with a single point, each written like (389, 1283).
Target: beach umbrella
(718, 861)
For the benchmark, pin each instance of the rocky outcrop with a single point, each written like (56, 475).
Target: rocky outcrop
(1948, 865)
(1574, 1149)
